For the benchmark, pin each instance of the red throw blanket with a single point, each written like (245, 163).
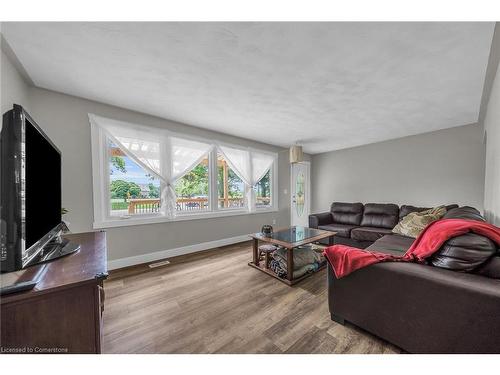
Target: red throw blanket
(346, 259)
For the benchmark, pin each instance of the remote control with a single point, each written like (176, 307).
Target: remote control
(20, 287)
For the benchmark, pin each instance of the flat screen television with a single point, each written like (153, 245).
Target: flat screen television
(30, 187)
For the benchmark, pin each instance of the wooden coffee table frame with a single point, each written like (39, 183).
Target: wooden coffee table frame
(289, 246)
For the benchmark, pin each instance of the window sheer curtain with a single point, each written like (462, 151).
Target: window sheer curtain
(250, 166)
(164, 156)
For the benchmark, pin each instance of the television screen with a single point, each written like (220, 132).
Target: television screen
(42, 191)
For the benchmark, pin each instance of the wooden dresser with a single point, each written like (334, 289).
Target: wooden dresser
(63, 313)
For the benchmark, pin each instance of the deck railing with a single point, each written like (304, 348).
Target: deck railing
(263, 201)
(152, 205)
(143, 206)
(191, 204)
(231, 203)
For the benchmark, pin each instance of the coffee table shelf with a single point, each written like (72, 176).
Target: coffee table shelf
(289, 239)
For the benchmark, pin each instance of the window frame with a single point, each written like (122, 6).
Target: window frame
(272, 179)
(107, 193)
(101, 181)
(210, 200)
(215, 153)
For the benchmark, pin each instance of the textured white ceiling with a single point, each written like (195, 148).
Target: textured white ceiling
(326, 85)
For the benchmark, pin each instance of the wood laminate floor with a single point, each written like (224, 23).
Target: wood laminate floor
(213, 302)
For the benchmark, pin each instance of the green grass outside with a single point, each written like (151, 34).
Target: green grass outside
(119, 205)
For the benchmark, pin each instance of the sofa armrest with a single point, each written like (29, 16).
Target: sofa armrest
(420, 308)
(323, 218)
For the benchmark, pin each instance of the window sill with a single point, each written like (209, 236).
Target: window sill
(113, 223)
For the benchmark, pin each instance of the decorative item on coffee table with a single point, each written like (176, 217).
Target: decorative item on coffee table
(267, 229)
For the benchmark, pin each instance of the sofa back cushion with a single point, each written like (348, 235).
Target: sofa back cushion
(451, 207)
(465, 212)
(380, 215)
(347, 213)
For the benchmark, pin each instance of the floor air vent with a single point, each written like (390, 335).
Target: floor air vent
(159, 264)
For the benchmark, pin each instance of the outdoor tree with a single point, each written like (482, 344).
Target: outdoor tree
(154, 191)
(264, 186)
(134, 190)
(123, 189)
(193, 183)
(234, 183)
(117, 163)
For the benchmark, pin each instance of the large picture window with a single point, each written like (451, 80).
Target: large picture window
(193, 189)
(146, 175)
(263, 191)
(132, 190)
(230, 187)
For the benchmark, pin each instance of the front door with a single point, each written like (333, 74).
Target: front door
(300, 194)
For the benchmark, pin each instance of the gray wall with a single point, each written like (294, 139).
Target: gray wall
(445, 166)
(491, 71)
(13, 88)
(492, 176)
(65, 120)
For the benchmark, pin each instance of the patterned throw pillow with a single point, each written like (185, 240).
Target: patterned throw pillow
(414, 223)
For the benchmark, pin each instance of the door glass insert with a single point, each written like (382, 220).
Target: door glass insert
(299, 194)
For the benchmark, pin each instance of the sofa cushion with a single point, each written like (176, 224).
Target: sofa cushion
(342, 230)
(464, 253)
(347, 213)
(414, 223)
(451, 207)
(465, 212)
(393, 244)
(491, 268)
(380, 215)
(369, 233)
(338, 240)
(323, 218)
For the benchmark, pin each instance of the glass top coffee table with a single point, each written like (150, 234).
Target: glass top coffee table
(288, 238)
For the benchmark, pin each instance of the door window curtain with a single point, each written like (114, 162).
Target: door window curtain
(164, 156)
(250, 166)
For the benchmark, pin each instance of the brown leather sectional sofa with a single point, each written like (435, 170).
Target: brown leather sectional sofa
(449, 305)
(359, 224)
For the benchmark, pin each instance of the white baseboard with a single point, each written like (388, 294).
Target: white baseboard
(162, 254)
